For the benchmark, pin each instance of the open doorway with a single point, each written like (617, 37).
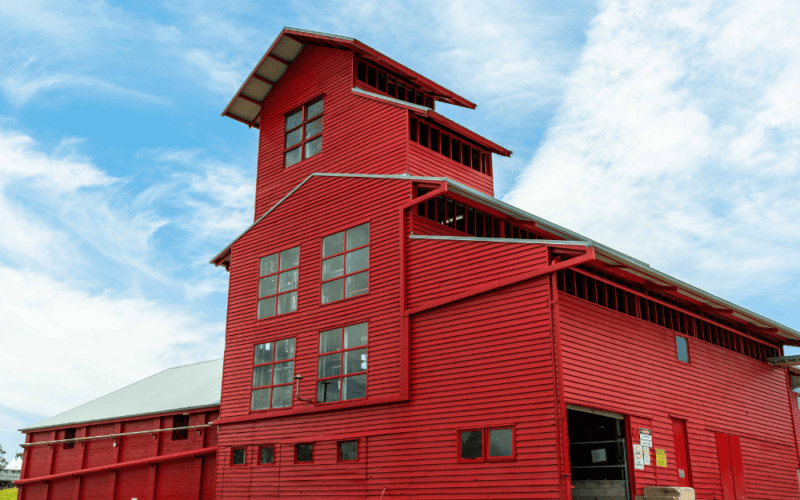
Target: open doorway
(598, 455)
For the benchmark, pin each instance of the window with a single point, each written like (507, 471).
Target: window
(486, 445)
(69, 434)
(682, 346)
(272, 375)
(237, 456)
(342, 373)
(266, 455)
(391, 85)
(277, 283)
(180, 421)
(304, 452)
(345, 264)
(303, 133)
(348, 451)
(441, 141)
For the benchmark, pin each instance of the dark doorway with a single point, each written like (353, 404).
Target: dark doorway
(598, 455)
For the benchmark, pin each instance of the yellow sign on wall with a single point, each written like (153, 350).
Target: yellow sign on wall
(661, 458)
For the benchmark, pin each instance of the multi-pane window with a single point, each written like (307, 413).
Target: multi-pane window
(69, 434)
(177, 422)
(303, 133)
(272, 375)
(342, 373)
(448, 144)
(277, 283)
(345, 264)
(489, 444)
(391, 85)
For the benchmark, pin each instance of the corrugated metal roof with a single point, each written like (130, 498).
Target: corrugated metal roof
(175, 389)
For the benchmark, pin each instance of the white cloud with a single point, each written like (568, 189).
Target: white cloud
(677, 142)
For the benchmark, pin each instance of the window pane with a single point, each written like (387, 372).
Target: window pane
(313, 128)
(266, 308)
(355, 361)
(266, 286)
(328, 390)
(348, 450)
(314, 110)
(269, 264)
(333, 244)
(313, 147)
(287, 303)
(294, 137)
(290, 258)
(260, 399)
(263, 353)
(358, 236)
(471, 445)
(282, 396)
(333, 267)
(267, 455)
(330, 365)
(331, 291)
(288, 281)
(358, 260)
(283, 372)
(330, 341)
(305, 452)
(284, 349)
(355, 335)
(683, 349)
(262, 375)
(294, 120)
(361, 71)
(238, 457)
(292, 157)
(355, 387)
(500, 442)
(356, 284)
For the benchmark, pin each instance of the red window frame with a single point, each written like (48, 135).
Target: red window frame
(69, 434)
(339, 458)
(486, 444)
(304, 120)
(341, 352)
(277, 274)
(274, 455)
(297, 453)
(344, 274)
(272, 385)
(234, 449)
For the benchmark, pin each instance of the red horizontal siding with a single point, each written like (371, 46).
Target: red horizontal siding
(615, 362)
(426, 162)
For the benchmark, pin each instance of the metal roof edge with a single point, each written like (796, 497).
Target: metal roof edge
(391, 100)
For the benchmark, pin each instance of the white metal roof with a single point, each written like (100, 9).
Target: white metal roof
(180, 388)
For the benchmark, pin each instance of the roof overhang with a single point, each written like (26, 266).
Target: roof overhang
(246, 103)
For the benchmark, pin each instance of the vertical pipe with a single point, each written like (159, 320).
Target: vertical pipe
(562, 441)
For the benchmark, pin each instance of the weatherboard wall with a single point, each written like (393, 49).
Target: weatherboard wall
(618, 363)
(188, 478)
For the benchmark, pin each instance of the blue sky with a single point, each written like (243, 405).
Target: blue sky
(670, 131)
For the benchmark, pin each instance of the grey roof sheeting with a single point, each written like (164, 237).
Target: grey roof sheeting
(181, 388)
(605, 254)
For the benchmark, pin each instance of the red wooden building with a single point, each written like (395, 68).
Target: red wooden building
(394, 331)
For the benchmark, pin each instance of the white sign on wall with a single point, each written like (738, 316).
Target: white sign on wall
(638, 457)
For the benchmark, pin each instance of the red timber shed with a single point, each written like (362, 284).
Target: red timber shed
(394, 331)
(150, 440)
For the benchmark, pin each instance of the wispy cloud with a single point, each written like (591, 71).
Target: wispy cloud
(678, 144)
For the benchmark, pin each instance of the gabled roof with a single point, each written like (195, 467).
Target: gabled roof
(246, 103)
(181, 388)
(607, 256)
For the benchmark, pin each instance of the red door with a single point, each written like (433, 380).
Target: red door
(682, 452)
(731, 470)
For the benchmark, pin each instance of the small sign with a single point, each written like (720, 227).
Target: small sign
(681, 473)
(638, 457)
(599, 456)
(646, 452)
(661, 458)
(645, 437)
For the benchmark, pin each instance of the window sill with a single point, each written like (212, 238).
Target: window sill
(254, 415)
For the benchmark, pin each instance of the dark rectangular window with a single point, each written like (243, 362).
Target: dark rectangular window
(392, 87)
(445, 145)
(371, 74)
(456, 148)
(238, 456)
(434, 139)
(423, 134)
(412, 130)
(486, 445)
(682, 346)
(304, 452)
(69, 434)
(382, 81)
(266, 455)
(348, 451)
(465, 154)
(476, 159)
(180, 421)
(471, 445)
(361, 71)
